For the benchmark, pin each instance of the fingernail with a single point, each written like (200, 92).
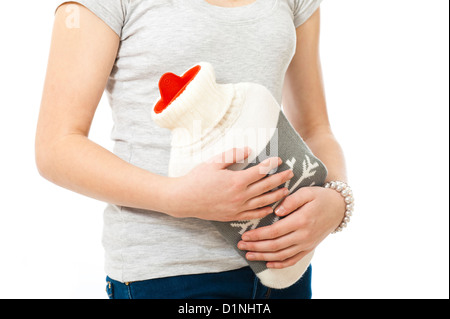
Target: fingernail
(241, 246)
(250, 256)
(280, 211)
(286, 192)
(245, 237)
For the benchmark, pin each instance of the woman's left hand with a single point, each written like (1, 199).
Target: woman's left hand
(312, 213)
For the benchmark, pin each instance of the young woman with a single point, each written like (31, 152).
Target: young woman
(157, 236)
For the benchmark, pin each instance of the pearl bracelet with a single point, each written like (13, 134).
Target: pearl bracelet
(347, 193)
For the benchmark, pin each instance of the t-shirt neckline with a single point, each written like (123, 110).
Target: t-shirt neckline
(249, 12)
(205, 3)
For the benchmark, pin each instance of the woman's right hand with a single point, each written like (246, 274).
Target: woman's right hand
(212, 192)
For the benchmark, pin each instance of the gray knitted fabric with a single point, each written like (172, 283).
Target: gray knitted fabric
(308, 171)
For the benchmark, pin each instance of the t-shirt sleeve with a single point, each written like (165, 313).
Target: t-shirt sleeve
(304, 9)
(112, 12)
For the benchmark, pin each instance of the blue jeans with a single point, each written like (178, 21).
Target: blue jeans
(236, 284)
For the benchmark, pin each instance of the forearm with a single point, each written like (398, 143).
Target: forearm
(325, 146)
(78, 164)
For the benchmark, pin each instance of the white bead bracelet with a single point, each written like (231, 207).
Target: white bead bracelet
(347, 193)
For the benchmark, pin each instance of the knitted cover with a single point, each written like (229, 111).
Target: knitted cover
(207, 118)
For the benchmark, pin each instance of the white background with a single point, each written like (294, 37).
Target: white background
(386, 74)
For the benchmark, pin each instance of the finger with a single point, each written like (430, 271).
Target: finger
(279, 256)
(230, 157)
(277, 229)
(288, 262)
(254, 214)
(267, 198)
(294, 201)
(269, 183)
(270, 246)
(261, 170)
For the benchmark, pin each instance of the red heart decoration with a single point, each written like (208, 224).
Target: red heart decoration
(171, 86)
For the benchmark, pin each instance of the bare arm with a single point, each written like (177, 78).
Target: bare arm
(80, 62)
(304, 100)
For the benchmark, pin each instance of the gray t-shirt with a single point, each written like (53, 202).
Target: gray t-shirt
(253, 43)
